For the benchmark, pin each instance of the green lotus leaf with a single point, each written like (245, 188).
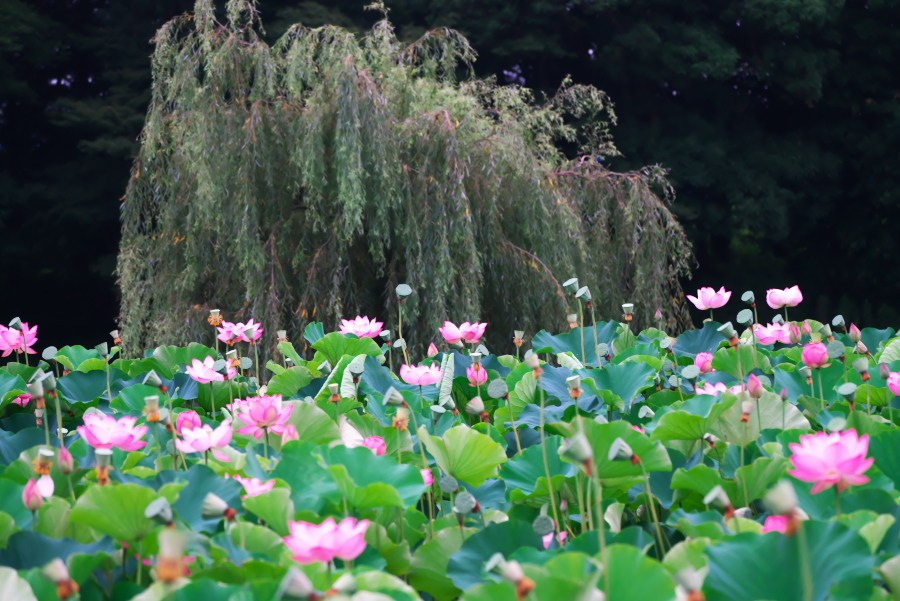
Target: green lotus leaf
(115, 510)
(428, 569)
(334, 346)
(465, 454)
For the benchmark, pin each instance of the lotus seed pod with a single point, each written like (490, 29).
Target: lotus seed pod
(465, 502)
(543, 525)
(448, 484)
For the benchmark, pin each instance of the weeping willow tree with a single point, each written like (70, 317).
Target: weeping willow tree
(303, 181)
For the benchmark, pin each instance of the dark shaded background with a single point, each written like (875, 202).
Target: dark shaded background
(779, 120)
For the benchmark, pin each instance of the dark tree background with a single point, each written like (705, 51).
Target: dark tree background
(779, 121)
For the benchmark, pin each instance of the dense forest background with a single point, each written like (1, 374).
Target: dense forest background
(779, 121)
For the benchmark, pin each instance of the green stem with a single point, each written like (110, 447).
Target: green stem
(596, 340)
(46, 418)
(806, 566)
(601, 532)
(256, 361)
(786, 320)
(108, 381)
(59, 422)
(400, 330)
(711, 315)
(821, 388)
(582, 507)
(266, 443)
(412, 414)
(544, 453)
(581, 327)
(650, 499)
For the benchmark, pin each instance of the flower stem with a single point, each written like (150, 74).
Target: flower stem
(601, 532)
(821, 388)
(652, 501)
(596, 340)
(581, 327)
(266, 443)
(425, 462)
(212, 399)
(59, 432)
(544, 453)
(256, 361)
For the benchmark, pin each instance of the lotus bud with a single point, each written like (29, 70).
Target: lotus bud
(335, 395)
(432, 350)
(475, 406)
(861, 348)
(572, 318)
(855, 334)
(571, 285)
(57, 573)
(66, 461)
(159, 511)
(621, 451)
(215, 507)
(393, 398)
(290, 433)
(884, 371)
(755, 387)
(749, 298)
(806, 328)
(295, 586)
(31, 496)
(747, 408)
(785, 395)
(578, 450)
(403, 291)
(795, 334)
(658, 315)
(215, 317)
(170, 562)
(519, 337)
(448, 484)
(563, 505)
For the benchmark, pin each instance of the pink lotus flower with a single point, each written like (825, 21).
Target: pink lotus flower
(46, 486)
(717, 388)
(229, 332)
(638, 429)
(704, 362)
(796, 333)
(263, 413)
(775, 523)
(560, 538)
(20, 341)
(832, 459)
(893, 382)
(290, 433)
(66, 461)
(204, 438)
(376, 444)
(708, 298)
(427, 476)
(755, 386)
(23, 399)
(854, 333)
(187, 420)
(254, 486)
(467, 332)
(806, 328)
(789, 297)
(432, 350)
(772, 333)
(422, 375)
(203, 371)
(31, 496)
(105, 432)
(326, 541)
(815, 355)
(362, 327)
(249, 332)
(476, 376)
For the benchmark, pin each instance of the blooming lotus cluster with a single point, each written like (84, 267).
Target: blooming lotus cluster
(231, 333)
(327, 541)
(262, 414)
(836, 459)
(19, 341)
(773, 332)
(201, 439)
(466, 332)
(421, 375)
(203, 371)
(789, 297)
(363, 327)
(106, 432)
(708, 298)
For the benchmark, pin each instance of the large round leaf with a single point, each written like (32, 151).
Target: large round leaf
(116, 510)
(369, 481)
(704, 340)
(312, 486)
(428, 569)
(654, 457)
(202, 481)
(749, 567)
(465, 454)
(526, 473)
(633, 575)
(622, 381)
(465, 566)
(27, 550)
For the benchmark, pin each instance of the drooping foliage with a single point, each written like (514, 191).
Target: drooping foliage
(304, 180)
